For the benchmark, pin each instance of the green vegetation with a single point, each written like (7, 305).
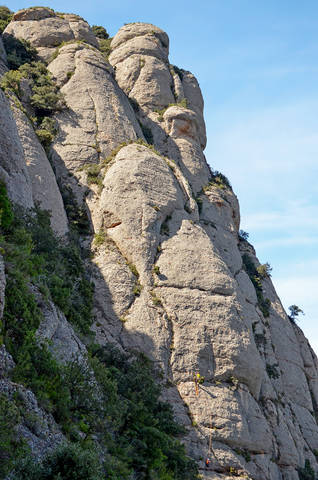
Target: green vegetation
(67, 462)
(77, 214)
(199, 202)
(218, 180)
(244, 453)
(99, 238)
(183, 103)
(118, 417)
(272, 370)
(174, 69)
(100, 32)
(156, 300)
(46, 98)
(10, 447)
(255, 276)
(243, 236)
(6, 214)
(18, 51)
(104, 46)
(93, 176)
(264, 270)
(107, 406)
(295, 311)
(5, 17)
(156, 270)
(46, 131)
(307, 472)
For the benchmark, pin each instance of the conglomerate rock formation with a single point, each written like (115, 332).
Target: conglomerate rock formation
(188, 302)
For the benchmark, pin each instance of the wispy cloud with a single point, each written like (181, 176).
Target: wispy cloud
(287, 242)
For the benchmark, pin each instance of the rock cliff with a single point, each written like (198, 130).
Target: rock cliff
(173, 278)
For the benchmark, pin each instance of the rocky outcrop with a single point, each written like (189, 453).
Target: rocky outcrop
(13, 170)
(46, 30)
(45, 192)
(170, 271)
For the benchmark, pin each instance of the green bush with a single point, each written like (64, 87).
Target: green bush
(11, 81)
(100, 32)
(264, 270)
(104, 46)
(67, 462)
(307, 472)
(6, 214)
(19, 51)
(10, 446)
(5, 17)
(143, 426)
(46, 131)
(272, 370)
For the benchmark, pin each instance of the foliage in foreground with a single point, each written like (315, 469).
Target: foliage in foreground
(107, 406)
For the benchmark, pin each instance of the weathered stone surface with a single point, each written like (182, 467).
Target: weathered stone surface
(45, 191)
(64, 343)
(140, 55)
(6, 362)
(167, 267)
(37, 427)
(13, 170)
(46, 30)
(98, 118)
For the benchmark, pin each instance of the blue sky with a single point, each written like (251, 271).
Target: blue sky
(257, 66)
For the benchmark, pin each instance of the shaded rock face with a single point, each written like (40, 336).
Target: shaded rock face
(169, 277)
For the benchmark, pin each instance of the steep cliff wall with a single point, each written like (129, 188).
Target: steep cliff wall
(172, 276)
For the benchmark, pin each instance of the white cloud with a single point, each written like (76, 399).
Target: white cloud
(287, 242)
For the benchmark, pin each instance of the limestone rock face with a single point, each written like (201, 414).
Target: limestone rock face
(170, 271)
(45, 191)
(13, 170)
(46, 30)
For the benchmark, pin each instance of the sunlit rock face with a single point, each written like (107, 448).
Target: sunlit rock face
(171, 278)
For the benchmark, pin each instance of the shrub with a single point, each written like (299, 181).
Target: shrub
(11, 81)
(307, 472)
(46, 131)
(264, 270)
(46, 99)
(10, 446)
(199, 202)
(6, 214)
(104, 46)
(99, 238)
(243, 235)
(100, 32)
(5, 17)
(255, 277)
(272, 370)
(67, 462)
(295, 311)
(19, 51)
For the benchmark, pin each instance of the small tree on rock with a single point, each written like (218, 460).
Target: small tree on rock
(295, 311)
